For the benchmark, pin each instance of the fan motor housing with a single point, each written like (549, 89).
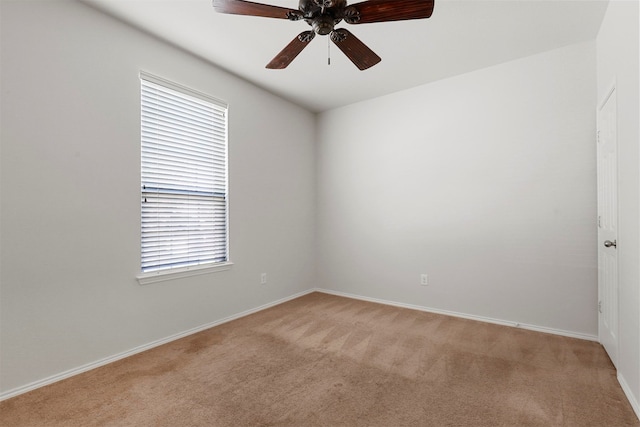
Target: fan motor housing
(322, 15)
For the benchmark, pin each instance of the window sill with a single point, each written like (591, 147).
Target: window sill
(179, 273)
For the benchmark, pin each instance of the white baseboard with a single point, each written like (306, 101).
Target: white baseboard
(89, 366)
(630, 397)
(466, 316)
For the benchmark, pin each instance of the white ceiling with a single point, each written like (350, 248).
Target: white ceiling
(460, 36)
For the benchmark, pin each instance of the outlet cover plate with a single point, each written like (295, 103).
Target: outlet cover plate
(424, 279)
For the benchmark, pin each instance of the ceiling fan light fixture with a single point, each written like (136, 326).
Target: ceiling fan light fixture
(323, 24)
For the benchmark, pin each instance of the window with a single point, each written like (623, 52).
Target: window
(184, 181)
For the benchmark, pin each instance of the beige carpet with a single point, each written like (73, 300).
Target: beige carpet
(322, 360)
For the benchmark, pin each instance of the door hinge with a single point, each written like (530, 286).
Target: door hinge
(599, 221)
(599, 306)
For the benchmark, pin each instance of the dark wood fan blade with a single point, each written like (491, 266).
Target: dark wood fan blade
(390, 10)
(241, 7)
(356, 51)
(289, 53)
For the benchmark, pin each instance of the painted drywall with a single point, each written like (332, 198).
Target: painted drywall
(617, 61)
(485, 181)
(70, 215)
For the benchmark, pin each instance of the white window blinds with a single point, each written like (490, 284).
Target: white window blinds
(184, 176)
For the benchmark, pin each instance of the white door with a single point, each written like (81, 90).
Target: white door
(608, 226)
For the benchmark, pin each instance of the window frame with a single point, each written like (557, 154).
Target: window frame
(171, 273)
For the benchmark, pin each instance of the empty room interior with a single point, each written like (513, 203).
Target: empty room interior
(448, 237)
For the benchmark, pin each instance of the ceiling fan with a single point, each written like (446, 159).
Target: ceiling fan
(324, 15)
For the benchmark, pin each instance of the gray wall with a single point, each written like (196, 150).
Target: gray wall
(485, 181)
(70, 181)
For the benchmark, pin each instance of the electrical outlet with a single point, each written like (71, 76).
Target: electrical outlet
(263, 279)
(424, 279)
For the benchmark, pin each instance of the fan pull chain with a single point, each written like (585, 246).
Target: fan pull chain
(329, 50)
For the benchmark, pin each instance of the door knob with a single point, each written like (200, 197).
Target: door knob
(609, 243)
